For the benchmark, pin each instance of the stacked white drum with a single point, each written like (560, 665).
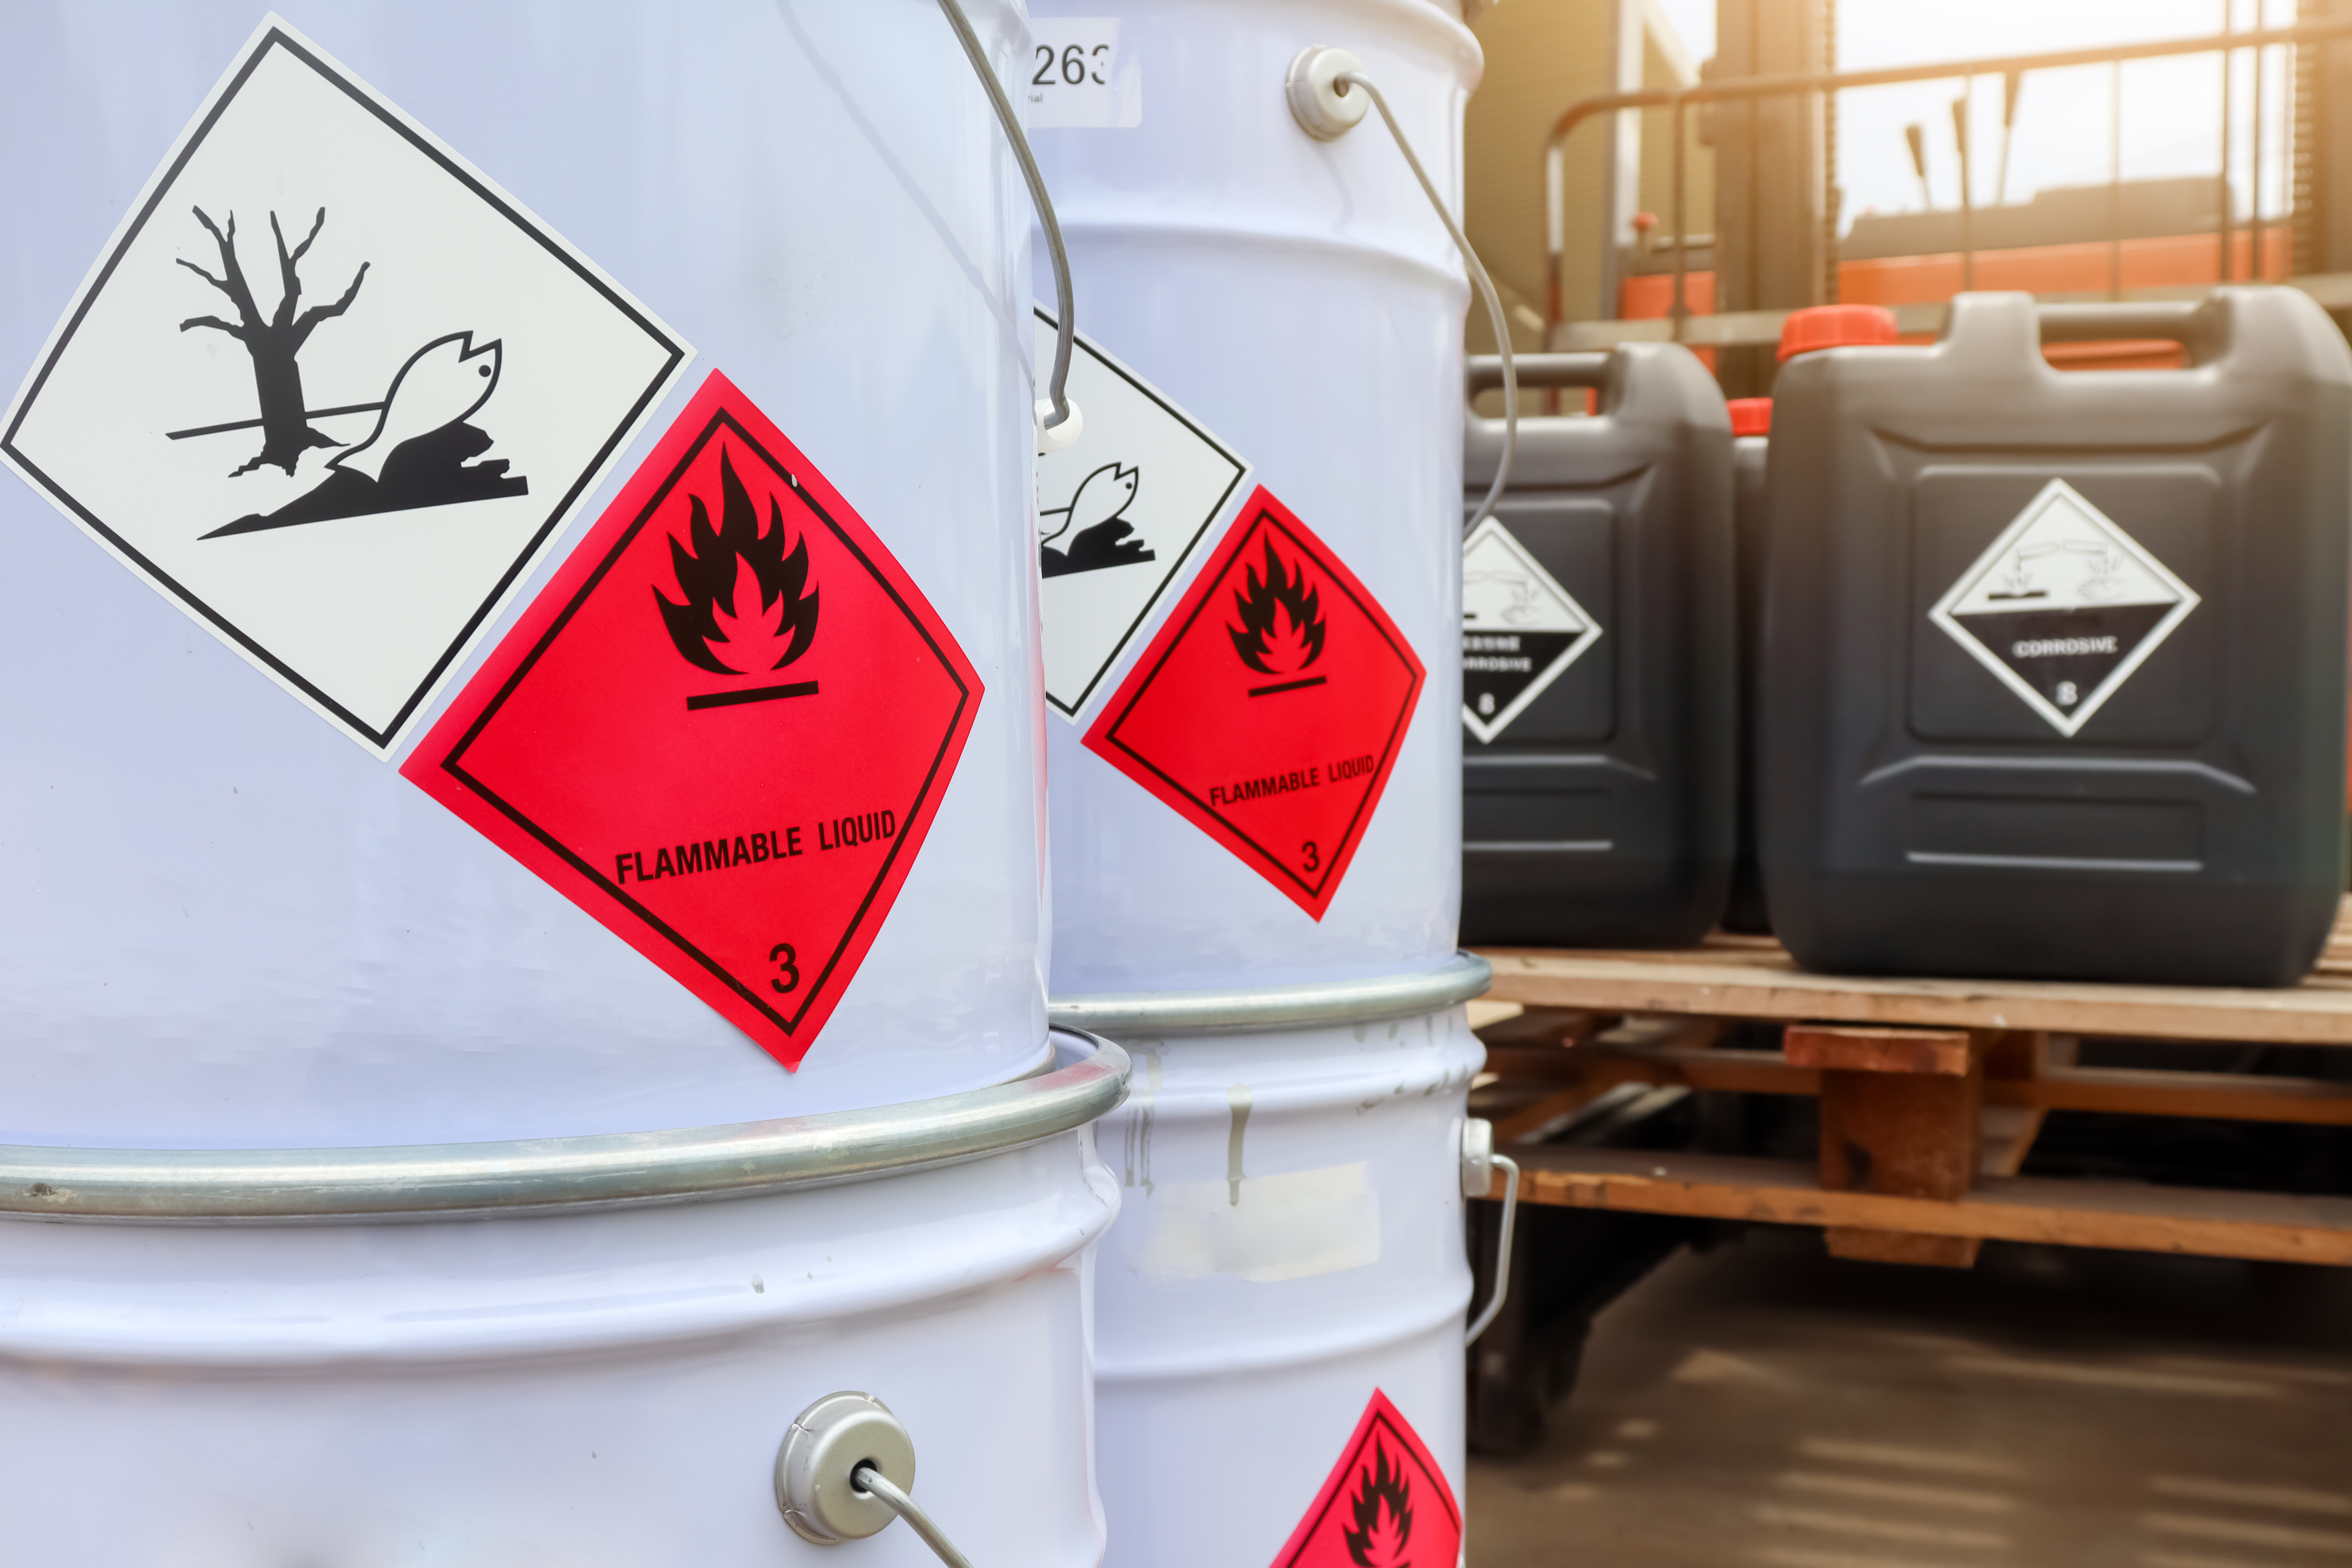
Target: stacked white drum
(340, 975)
(1282, 1303)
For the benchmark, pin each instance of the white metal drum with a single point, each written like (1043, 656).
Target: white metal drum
(1290, 1242)
(483, 1385)
(1290, 1262)
(1302, 301)
(233, 926)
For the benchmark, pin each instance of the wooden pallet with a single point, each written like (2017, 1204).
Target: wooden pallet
(1932, 1093)
(1754, 977)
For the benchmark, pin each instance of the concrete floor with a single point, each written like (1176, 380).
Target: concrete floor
(1765, 1405)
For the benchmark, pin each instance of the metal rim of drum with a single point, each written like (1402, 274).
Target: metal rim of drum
(527, 1177)
(1460, 978)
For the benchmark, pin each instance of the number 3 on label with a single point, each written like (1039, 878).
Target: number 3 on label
(1314, 856)
(1071, 67)
(782, 956)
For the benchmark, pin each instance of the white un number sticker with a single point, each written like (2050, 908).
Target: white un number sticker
(1076, 78)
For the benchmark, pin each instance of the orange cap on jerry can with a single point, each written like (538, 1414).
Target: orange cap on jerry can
(1751, 415)
(1835, 327)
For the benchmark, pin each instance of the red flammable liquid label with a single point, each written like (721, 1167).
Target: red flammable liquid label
(1270, 707)
(1386, 1504)
(723, 728)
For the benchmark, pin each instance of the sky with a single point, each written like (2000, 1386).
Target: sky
(2171, 108)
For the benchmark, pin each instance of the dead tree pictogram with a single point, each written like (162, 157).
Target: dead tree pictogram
(273, 341)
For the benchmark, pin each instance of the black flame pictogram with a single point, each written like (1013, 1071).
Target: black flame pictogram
(1268, 646)
(714, 632)
(1382, 1490)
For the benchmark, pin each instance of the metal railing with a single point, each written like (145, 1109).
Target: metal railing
(1678, 100)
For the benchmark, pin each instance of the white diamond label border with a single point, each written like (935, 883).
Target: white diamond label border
(1130, 501)
(1536, 585)
(1970, 595)
(360, 576)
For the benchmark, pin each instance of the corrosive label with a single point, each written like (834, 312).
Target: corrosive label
(1520, 629)
(333, 391)
(1386, 1504)
(2063, 607)
(723, 729)
(1269, 707)
(1119, 513)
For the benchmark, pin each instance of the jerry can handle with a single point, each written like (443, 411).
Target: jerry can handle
(1484, 372)
(2184, 322)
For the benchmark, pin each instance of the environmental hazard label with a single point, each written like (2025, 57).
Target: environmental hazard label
(1520, 629)
(2063, 607)
(723, 729)
(1118, 514)
(1385, 1505)
(1270, 705)
(330, 390)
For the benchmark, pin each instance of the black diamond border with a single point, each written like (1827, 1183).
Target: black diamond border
(1266, 519)
(451, 764)
(380, 739)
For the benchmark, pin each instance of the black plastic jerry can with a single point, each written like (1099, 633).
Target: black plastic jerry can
(1808, 331)
(1752, 431)
(2051, 674)
(1597, 703)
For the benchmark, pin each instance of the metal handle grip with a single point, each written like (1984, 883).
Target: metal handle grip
(1479, 1164)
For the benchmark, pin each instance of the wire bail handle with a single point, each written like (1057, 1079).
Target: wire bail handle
(1058, 420)
(1328, 90)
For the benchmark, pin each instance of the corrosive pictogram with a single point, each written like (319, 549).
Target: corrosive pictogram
(725, 739)
(2063, 607)
(1520, 629)
(1269, 707)
(333, 391)
(1386, 1504)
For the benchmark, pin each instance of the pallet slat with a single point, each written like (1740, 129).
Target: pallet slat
(1745, 978)
(2261, 1226)
(2315, 1102)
